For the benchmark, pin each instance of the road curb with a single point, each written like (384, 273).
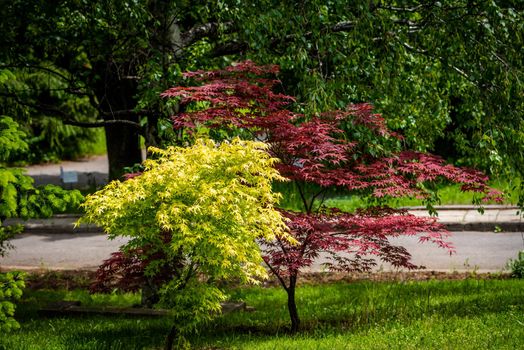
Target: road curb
(485, 226)
(66, 223)
(63, 223)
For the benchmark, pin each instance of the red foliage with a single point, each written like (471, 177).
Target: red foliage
(346, 239)
(123, 271)
(315, 149)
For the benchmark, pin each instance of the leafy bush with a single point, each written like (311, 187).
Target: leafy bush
(11, 286)
(517, 266)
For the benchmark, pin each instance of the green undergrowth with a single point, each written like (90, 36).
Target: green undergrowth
(96, 146)
(467, 314)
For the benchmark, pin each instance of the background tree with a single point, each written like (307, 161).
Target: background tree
(444, 73)
(316, 154)
(113, 55)
(448, 74)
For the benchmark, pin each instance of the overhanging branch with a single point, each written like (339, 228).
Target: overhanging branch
(68, 119)
(37, 67)
(103, 123)
(206, 30)
(229, 48)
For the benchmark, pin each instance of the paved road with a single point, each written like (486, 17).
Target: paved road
(481, 251)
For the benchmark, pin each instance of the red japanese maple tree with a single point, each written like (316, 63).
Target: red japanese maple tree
(319, 153)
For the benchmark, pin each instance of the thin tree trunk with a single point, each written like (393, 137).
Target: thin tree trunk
(170, 339)
(292, 306)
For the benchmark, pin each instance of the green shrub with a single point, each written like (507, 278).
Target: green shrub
(11, 286)
(517, 266)
(20, 199)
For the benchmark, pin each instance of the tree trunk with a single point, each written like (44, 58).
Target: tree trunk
(292, 306)
(170, 339)
(149, 295)
(123, 148)
(116, 94)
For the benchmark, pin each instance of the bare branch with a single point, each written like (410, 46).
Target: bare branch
(103, 123)
(411, 48)
(343, 26)
(127, 112)
(202, 31)
(402, 9)
(230, 48)
(68, 119)
(31, 66)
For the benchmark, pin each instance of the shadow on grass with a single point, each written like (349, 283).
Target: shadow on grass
(405, 303)
(325, 309)
(124, 336)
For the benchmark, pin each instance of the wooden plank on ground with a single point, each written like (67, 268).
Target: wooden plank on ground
(74, 308)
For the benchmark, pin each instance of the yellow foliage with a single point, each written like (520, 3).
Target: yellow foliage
(213, 200)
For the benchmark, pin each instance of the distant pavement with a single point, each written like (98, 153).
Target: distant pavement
(92, 172)
(475, 251)
(483, 242)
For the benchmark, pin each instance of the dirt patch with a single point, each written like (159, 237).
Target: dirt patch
(59, 280)
(399, 276)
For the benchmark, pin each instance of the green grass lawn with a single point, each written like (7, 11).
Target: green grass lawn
(468, 314)
(448, 194)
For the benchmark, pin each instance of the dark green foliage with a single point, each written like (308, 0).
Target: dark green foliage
(449, 74)
(47, 138)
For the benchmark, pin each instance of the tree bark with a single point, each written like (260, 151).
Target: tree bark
(123, 148)
(117, 95)
(170, 339)
(291, 305)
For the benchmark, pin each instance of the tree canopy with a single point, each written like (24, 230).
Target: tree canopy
(448, 74)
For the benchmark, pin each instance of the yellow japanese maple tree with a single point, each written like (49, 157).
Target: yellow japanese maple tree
(201, 209)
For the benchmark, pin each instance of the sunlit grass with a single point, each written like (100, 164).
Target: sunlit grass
(448, 195)
(470, 314)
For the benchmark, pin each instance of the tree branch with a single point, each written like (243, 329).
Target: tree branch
(402, 9)
(229, 48)
(280, 279)
(343, 27)
(31, 66)
(103, 123)
(68, 120)
(127, 112)
(209, 30)
(236, 47)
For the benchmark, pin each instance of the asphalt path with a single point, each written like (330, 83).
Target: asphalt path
(475, 251)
